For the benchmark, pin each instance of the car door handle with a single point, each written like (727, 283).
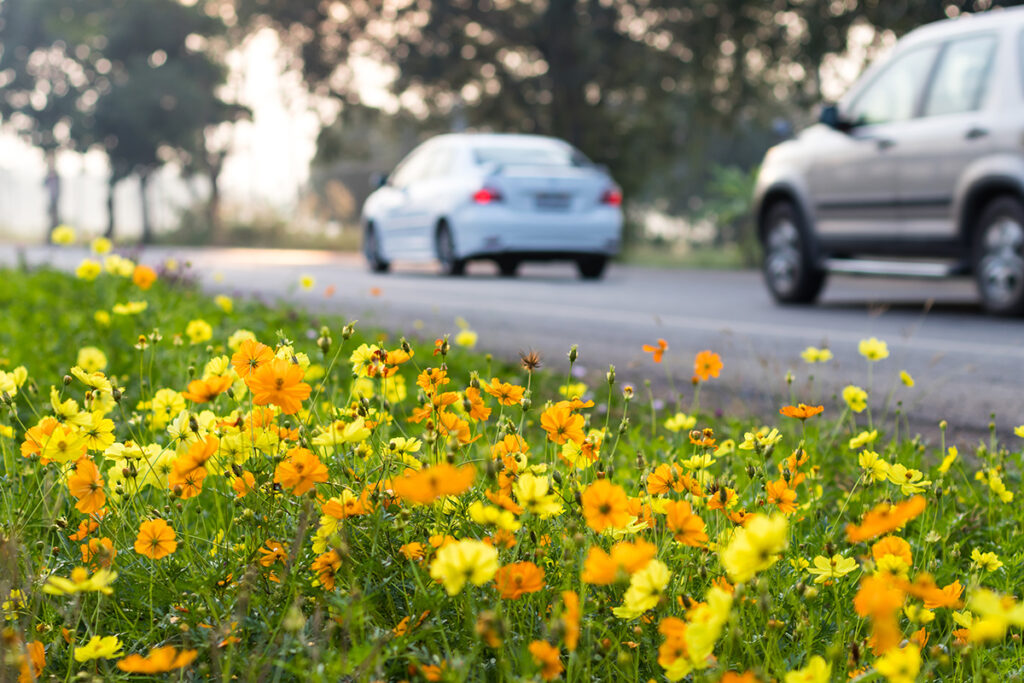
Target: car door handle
(884, 143)
(975, 133)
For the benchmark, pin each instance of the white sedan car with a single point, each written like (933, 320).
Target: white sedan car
(505, 198)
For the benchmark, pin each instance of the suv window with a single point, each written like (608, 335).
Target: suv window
(961, 76)
(893, 95)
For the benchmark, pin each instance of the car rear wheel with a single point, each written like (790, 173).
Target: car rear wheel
(371, 250)
(508, 267)
(790, 271)
(445, 247)
(591, 267)
(999, 257)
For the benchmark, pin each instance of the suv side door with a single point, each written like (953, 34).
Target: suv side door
(853, 176)
(954, 130)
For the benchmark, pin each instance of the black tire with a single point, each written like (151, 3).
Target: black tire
(591, 267)
(790, 268)
(507, 267)
(998, 256)
(371, 250)
(444, 246)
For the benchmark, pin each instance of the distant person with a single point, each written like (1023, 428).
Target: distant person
(52, 185)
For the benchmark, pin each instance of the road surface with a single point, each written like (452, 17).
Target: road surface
(966, 365)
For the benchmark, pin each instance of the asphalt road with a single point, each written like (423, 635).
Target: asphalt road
(966, 365)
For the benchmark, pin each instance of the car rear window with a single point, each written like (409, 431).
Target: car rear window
(529, 155)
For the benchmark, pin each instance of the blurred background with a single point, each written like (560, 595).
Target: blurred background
(260, 122)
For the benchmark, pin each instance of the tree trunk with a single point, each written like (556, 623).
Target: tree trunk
(213, 204)
(111, 184)
(147, 225)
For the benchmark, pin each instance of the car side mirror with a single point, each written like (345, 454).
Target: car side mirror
(378, 180)
(831, 117)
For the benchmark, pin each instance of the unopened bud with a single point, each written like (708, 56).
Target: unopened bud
(574, 353)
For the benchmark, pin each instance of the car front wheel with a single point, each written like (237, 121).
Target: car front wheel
(790, 271)
(999, 257)
(371, 250)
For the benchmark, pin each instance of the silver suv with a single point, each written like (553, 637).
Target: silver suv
(917, 171)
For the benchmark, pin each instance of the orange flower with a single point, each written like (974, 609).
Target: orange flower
(243, 484)
(451, 424)
(430, 483)
(801, 411)
(507, 394)
(517, 579)
(85, 528)
(689, 529)
(326, 566)
(885, 518)
(656, 351)
(186, 482)
(735, 677)
(204, 390)
(571, 619)
(562, 424)
(199, 453)
(300, 471)
(36, 437)
(723, 499)
(605, 505)
(633, 557)
(155, 539)
(143, 277)
(32, 663)
(99, 549)
(431, 380)
(86, 485)
(278, 382)
(477, 409)
(548, 658)
(925, 588)
(664, 479)
(159, 660)
(413, 551)
(878, 595)
(892, 545)
(271, 553)
(780, 495)
(599, 568)
(707, 365)
(251, 355)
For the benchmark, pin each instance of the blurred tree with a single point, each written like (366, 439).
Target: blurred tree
(656, 89)
(134, 77)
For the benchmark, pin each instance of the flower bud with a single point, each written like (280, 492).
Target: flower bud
(574, 353)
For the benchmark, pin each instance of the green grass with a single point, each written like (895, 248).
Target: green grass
(256, 622)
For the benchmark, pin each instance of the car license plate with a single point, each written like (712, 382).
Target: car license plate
(553, 201)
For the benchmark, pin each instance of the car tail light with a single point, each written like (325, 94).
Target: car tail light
(612, 197)
(486, 195)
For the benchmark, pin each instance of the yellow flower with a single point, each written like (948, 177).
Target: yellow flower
(815, 355)
(918, 614)
(466, 338)
(874, 467)
(837, 567)
(755, 547)
(900, 665)
(239, 336)
(98, 647)
(88, 270)
(307, 282)
(948, 461)
(646, 588)
(490, 515)
(1019, 431)
(995, 613)
(910, 481)
(905, 377)
(81, 582)
(101, 245)
(816, 671)
(572, 390)
(130, 308)
(863, 439)
(63, 235)
(988, 561)
(761, 440)
(91, 359)
(198, 331)
(856, 398)
(224, 303)
(463, 561)
(532, 493)
(873, 349)
(680, 422)
(102, 318)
